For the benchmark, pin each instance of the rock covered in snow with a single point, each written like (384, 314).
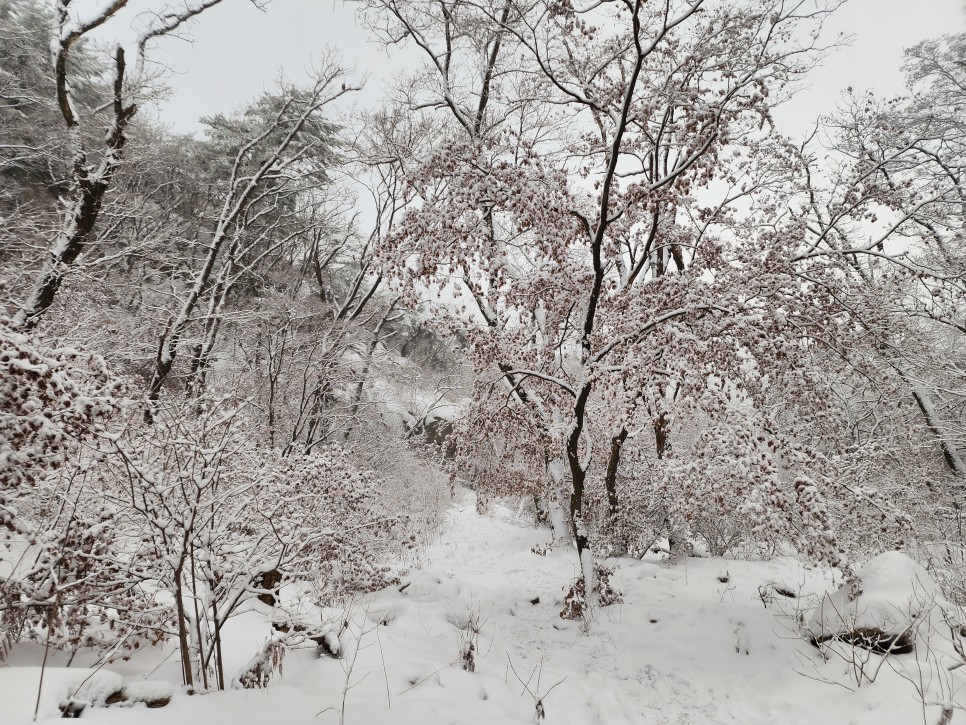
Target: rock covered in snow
(152, 694)
(882, 608)
(62, 690)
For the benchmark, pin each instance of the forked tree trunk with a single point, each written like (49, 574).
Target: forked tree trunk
(90, 187)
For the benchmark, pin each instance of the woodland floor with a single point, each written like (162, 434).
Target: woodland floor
(683, 647)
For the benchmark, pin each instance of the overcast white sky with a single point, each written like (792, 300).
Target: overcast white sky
(881, 30)
(237, 51)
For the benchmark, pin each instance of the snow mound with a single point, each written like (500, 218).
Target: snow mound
(883, 607)
(60, 685)
(152, 693)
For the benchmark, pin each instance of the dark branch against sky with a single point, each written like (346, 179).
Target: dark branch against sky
(237, 50)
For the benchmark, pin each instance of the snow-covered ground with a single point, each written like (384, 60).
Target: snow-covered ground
(700, 641)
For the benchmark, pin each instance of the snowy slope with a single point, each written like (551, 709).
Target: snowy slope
(686, 646)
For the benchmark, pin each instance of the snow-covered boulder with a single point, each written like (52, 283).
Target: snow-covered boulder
(150, 693)
(63, 689)
(882, 609)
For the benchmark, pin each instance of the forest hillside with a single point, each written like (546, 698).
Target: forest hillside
(559, 384)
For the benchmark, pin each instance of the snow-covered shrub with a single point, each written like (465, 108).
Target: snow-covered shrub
(747, 488)
(71, 575)
(50, 400)
(186, 487)
(575, 600)
(496, 449)
(333, 510)
(224, 521)
(257, 673)
(882, 608)
(468, 639)
(81, 582)
(637, 523)
(890, 615)
(410, 482)
(739, 485)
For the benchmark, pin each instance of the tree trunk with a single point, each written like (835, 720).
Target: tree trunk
(90, 187)
(69, 244)
(182, 628)
(220, 662)
(610, 478)
(578, 476)
(951, 454)
(619, 541)
(542, 511)
(662, 441)
(168, 346)
(202, 666)
(562, 535)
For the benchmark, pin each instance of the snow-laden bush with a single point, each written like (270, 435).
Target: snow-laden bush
(411, 480)
(332, 510)
(80, 583)
(51, 399)
(575, 597)
(220, 521)
(67, 570)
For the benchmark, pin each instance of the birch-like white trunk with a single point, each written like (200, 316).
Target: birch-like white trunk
(556, 505)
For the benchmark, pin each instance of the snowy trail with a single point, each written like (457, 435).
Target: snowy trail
(614, 674)
(684, 648)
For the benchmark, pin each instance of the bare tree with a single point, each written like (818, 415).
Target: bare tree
(92, 173)
(891, 204)
(572, 279)
(278, 168)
